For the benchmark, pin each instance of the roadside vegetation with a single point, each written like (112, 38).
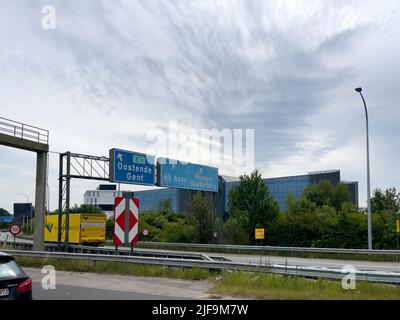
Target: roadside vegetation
(5, 213)
(266, 286)
(322, 217)
(240, 284)
(116, 268)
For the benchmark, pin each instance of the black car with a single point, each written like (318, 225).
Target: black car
(14, 283)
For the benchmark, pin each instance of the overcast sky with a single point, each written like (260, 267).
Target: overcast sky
(112, 71)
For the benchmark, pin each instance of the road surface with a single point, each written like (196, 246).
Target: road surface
(303, 262)
(93, 286)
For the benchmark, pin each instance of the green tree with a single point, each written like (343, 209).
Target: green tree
(4, 212)
(340, 196)
(325, 194)
(170, 227)
(85, 208)
(148, 220)
(321, 194)
(235, 229)
(202, 218)
(252, 198)
(302, 224)
(165, 206)
(349, 230)
(383, 231)
(388, 200)
(178, 232)
(110, 228)
(324, 217)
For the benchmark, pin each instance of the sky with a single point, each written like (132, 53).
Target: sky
(117, 73)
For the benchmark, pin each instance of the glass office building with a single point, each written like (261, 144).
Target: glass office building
(150, 199)
(279, 187)
(103, 197)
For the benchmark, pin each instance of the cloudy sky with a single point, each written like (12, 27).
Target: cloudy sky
(113, 71)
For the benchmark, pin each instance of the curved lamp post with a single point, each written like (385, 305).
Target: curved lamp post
(359, 90)
(23, 194)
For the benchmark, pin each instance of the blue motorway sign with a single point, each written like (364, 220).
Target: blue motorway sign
(6, 219)
(131, 167)
(184, 175)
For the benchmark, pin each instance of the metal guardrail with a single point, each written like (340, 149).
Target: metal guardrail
(24, 246)
(238, 248)
(273, 248)
(310, 272)
(24, 131)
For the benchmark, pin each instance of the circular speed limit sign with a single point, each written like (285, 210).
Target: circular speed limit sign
(14, 229)
(145, 232)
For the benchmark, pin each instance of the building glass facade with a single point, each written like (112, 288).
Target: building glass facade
(279, 188)
(353, 190)
(150, 199)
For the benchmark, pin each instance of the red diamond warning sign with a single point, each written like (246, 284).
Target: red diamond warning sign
(126, 220)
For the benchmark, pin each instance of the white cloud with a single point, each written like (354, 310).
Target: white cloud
(112, 71)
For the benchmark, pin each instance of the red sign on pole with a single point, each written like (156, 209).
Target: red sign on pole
(126, 220)
(14, 229)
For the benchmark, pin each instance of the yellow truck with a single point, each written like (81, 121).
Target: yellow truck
(84, 228)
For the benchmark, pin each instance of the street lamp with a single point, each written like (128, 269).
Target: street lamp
(359, 90)
(23, 194)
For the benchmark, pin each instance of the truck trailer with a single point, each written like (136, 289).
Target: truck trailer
(84, 229)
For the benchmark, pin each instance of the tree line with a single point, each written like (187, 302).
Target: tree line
(323, 216)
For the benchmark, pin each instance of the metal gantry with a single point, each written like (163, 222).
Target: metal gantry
(19, 135)
(77, 166)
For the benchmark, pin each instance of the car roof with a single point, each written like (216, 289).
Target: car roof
(5, 256)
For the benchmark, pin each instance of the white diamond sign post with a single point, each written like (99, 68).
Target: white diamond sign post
(126, 220)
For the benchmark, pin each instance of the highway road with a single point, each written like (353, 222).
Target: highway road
(294, 261)
(80, 293)
(279, 260)
(92, 286)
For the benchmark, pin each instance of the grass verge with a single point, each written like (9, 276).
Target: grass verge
(116, 268)
(267, 286)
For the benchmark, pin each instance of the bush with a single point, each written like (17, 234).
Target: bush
(166, 227)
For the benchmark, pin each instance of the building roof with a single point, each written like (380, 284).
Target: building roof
(324, 171)
(229, 178)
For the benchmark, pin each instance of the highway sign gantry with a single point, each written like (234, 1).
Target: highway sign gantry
(184, 175)
(126, 220)
(131, 167)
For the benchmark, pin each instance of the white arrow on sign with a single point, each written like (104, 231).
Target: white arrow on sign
(119, 156)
